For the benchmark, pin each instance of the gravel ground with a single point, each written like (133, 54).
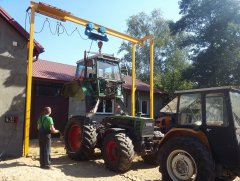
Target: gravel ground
(65, 169)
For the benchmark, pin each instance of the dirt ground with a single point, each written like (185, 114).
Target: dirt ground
(65, 169)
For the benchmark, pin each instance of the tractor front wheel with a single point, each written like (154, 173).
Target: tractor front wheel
(80, 139)
(118, 152)
(186, 159)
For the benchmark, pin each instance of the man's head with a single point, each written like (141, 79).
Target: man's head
(47, 110)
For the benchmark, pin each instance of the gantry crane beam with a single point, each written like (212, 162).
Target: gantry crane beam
(62, 15)
(59, 14)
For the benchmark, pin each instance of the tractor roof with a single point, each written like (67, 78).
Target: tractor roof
(171, 107)
(211, 89)
(102, 56)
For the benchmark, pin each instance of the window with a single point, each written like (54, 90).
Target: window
(109, 70)
(216, 114)
(190, 109)
(47, 90)
(91, 69)
(106, 107)
(144, 107)
(235, 102)
(79, 71)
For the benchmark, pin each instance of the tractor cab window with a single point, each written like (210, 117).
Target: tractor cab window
(216, 113)
(190, 109)
(79, 71)
(108, 70)
(91, 69)
(235, 101)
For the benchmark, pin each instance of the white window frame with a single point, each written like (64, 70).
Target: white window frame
(104, 106)
(141, 101)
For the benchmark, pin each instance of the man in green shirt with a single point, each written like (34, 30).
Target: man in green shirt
(45, 128)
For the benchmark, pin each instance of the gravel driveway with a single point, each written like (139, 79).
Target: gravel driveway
(63, 168)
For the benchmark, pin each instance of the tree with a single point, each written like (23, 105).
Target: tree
(213, 37)
(171, 79)
(169, 60)
(139, 26)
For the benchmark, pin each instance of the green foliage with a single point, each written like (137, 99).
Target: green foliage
(139, 26)
(169, 60)
(213, 29)
(171, 79)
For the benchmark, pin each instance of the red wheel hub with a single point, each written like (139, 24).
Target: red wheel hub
(74, 136)
(112, 152)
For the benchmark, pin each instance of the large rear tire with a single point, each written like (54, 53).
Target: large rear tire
(80, 139)
(186, 159)
(118, 152)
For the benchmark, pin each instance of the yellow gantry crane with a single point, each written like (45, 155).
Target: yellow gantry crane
(62, 15)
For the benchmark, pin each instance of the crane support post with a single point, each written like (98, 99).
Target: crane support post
(133, 79)
(29, 85)
(151, 38)
(151, 78)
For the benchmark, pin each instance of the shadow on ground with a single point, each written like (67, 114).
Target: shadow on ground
(94, 168)
(88, 169)
(82, 169)
(15, 164)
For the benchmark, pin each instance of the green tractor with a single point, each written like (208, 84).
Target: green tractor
(98, 86)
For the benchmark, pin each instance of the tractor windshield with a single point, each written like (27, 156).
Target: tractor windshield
(108, 70)
(235, 101)
(190, 112)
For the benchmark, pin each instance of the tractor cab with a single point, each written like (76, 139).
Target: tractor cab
(212, 116)
(216, 112)
(97, 76)
(101, 74)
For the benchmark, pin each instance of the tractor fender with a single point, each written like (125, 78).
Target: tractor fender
(113, 130)
(185, 132)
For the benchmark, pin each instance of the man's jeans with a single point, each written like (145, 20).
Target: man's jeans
(45, 148)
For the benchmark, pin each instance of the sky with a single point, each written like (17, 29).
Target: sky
(108, 13)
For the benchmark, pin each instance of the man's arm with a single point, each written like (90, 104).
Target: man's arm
(53, 130)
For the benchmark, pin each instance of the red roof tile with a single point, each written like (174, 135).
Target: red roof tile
(53, 70)
(37, 48)
(57, 71)
(140, 85)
